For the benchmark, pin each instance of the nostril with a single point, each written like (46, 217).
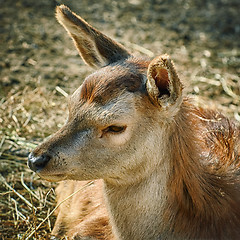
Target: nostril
(37, 163)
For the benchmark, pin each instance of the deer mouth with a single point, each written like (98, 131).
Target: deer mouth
(53, 177)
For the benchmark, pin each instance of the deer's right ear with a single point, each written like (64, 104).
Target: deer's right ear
(96, 49)
(163, 85)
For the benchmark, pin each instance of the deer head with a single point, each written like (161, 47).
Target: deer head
(116, 117)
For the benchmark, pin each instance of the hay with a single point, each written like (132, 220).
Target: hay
(25, 199)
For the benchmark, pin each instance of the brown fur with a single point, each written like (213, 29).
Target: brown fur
(170, 170)
(84, 214)
(106, 84)
(204, 182)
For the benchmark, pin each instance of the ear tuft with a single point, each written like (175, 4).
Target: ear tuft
(163, 85)
(62, 9)
(63, 13)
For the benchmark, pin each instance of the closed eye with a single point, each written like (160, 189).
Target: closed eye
(115, 129)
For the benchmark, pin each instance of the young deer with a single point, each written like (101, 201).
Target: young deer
(170, 170)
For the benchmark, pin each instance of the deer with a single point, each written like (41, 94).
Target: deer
(162, 167)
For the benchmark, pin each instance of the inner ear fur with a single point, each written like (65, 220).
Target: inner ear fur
(163, 84)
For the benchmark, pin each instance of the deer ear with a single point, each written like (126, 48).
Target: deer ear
(96, 49)
(163, 85)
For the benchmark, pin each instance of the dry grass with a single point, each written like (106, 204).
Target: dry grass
(25, 200)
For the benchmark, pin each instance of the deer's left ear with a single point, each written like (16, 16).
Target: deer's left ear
(163, 85)
(95, 48)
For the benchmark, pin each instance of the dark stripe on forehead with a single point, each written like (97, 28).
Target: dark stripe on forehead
(111, 80)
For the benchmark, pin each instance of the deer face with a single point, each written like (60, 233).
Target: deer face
(103, 115)
(115, 116)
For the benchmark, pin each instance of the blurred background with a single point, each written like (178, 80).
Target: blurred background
(39, 67)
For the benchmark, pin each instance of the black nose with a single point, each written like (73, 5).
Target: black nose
(39, 162)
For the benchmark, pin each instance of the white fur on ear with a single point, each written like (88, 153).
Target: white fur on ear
(163, 85)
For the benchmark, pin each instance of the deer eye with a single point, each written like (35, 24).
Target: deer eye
(115, 129)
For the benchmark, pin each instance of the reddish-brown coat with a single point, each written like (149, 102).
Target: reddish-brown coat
(84, 214)
(201, 190)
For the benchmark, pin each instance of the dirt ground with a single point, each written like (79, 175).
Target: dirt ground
(39, 67)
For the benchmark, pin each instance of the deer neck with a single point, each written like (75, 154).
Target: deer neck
(136, 210)
(202, 200)
(137, 207)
